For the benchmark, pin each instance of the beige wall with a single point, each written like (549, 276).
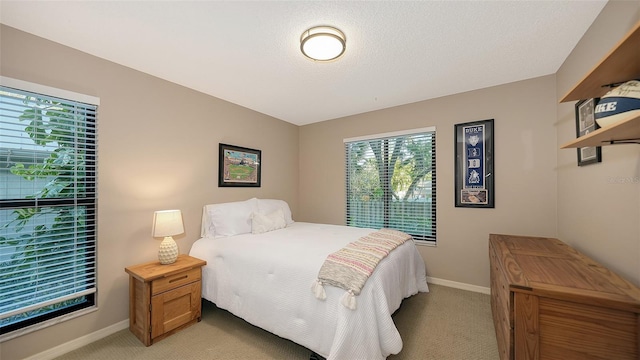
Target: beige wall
(525, 178)
(599, 205)
(158, 148)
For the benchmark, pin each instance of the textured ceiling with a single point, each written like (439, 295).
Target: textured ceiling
(247, 53)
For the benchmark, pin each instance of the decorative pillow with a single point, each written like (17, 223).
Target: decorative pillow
(261, 223)
(228, 219)
(266, 206)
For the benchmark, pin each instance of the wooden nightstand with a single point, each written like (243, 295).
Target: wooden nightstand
(164, 299)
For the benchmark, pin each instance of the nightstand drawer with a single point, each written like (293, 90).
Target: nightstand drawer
(174, 281)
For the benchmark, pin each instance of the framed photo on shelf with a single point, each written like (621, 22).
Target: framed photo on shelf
(585, 124)
(474, 172)
(238, 166)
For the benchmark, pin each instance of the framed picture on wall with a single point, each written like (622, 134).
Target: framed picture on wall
(474, 172)
(238, 166)
(585, 124)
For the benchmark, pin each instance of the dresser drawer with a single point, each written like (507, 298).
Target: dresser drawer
(176, 280)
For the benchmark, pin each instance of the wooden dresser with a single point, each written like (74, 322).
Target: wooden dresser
(549, 301)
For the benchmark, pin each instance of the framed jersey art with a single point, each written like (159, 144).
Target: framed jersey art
(474, 172)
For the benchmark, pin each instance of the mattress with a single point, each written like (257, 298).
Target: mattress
(266, 279)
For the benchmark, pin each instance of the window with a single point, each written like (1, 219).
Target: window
(391, 182)
(47, 207)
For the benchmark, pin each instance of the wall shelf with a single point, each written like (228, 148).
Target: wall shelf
(621, 64)
(626, 131)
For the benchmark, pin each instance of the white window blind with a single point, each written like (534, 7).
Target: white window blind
(391, 182)
(47, 207)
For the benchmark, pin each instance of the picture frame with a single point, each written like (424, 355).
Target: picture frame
(474, 165)
(239, 166)
(585, 124)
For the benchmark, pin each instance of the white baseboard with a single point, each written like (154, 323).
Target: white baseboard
(80, 342)
(459, 285)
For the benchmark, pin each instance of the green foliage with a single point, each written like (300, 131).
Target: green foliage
(53, 124)
(384, 182)
(49, 124)
(405, 162)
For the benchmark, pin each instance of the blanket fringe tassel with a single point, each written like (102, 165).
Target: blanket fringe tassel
(318, 290)
(349, 300)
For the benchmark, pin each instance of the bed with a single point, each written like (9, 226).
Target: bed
(261, 266)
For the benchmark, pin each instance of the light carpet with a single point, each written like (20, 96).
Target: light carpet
(444, 324)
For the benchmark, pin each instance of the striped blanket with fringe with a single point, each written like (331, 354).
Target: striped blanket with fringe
(350, 267)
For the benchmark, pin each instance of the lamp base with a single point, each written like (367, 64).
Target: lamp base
(168, 252)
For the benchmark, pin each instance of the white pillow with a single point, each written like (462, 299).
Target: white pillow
(266, 206)
(228, 219)
(261, 223)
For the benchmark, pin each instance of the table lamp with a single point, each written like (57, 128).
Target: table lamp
(167, 223)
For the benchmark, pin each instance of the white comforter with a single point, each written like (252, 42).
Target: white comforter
(266, 279)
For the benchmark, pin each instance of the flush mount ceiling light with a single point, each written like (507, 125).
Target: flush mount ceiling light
(323, 43)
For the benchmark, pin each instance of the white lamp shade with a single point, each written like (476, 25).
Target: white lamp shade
(167, 223)
(323, 43)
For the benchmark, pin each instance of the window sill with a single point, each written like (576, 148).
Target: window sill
(426, 243)
(46, 324)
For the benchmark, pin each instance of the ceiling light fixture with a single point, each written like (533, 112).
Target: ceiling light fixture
(323, 43)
